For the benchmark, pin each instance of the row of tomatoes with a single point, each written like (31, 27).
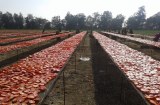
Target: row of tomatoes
(148, 42)
(15, 46)
(141, 69)
(10, 35)
(21, 82)
(7, 40)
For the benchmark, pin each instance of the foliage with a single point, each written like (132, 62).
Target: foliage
(106, 19)
(96, 20)
(1, 22)
(153, 22)
(34, 22)
(80, 21)
(75, 21)
(137, 21)
(70, 21)
(56, 23)
(17, 21)
(7, 20)
(89, 22)
(116, 23)
(146, 32)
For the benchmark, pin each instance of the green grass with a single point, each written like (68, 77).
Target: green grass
(146, 32)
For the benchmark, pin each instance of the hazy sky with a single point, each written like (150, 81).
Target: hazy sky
(49, 8)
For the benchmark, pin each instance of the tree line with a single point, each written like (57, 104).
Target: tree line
(138, 20)
(96, 21)
(104, 21)
(18, 21)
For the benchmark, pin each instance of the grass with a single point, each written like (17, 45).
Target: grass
(146, 32)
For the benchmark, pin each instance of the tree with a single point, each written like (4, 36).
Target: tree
(29, 20)
(7, 20)
(80, 21)
(63, 24)
(40, 22)
(132, 23)
(16, 18)
(116, 23)
(1, 24)
(48, 25)
(34, 22)
(18, 21)
(56, 23)
(137, 21)
(106, 19)
(141, 17)
(153, 22)
(70, 21)
(96, 20)
(89, 22)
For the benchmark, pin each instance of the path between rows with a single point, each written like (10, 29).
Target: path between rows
(79, 83)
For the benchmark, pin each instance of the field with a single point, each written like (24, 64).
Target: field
(146, 32)
(50, 69)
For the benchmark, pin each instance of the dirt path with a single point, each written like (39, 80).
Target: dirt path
(108, 89)
(79, 83)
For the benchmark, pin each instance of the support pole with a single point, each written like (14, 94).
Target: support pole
(75, 62)
(17, 54)
(121, 94)
(64, 90)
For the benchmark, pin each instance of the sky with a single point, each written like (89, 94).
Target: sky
(49, 8)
